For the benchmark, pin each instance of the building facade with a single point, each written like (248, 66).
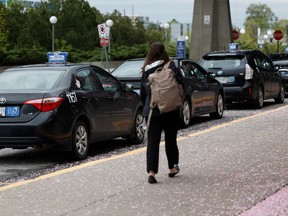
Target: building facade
(26, 3)
(180, 30)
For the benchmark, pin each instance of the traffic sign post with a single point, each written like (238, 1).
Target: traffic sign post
(181, 47)
(278, 35)
(235, 34)
(104, 42)
(104, 32)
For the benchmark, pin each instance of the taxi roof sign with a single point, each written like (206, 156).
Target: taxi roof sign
(57, 57)
(233, 47)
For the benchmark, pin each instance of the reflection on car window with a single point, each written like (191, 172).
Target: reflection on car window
(109, 83)
(29, 79)
(86, 81)
(190, 69)
(225, 62)
(263, 62)
(129, 69)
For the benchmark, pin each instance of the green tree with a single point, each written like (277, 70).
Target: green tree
(3, 31)
(281, 25)
(122, 30)
(24, 30)
(77, 24)
(35, 30)
(259, 16)
(15, 19)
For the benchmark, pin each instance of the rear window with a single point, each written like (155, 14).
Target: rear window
(25, 79)
(223, 62)
(129, 69)
(280, 62)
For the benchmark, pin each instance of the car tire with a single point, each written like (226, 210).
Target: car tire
(281, 96)
(219, 107)
(186, 114)
(137, 132)
(80, 141)
(260, 99)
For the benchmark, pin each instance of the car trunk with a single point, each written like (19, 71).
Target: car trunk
(229, 70)
(13, 109)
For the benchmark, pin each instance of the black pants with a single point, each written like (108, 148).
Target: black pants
(169, 122)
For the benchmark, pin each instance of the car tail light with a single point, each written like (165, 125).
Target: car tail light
(249, 72)
(46, 104)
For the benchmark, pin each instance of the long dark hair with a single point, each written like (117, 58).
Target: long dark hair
(156, 52)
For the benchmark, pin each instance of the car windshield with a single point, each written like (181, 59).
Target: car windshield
(129, 69)
(28, 79)
(223, 62)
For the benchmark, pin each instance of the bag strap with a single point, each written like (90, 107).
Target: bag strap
(159, 69)
(167, 65)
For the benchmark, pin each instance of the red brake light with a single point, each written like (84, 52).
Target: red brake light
(46, 104)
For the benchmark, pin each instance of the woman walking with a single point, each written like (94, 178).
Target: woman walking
(155, 58)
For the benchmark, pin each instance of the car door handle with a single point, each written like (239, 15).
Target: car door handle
(86, 99)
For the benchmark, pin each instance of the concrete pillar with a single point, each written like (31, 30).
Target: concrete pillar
(211, 27)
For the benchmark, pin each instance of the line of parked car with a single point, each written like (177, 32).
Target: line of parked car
(202, 93)
(70, 106)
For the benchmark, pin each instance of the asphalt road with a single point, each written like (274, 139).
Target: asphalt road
(19, 165)
(236, 166)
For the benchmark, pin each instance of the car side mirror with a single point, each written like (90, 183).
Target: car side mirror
(128, 87)
(211, 75)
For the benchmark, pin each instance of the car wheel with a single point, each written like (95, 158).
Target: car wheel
(219, 107)
(260, 99)
(137, 132)
(281, 96)
(186, 114)
(80, 141)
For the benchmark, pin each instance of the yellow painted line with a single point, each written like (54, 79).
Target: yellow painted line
(70, 169)
(136, 151)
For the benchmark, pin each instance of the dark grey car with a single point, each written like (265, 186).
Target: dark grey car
(280, 60)
(246, 75)
(203, 93)
(67, 106)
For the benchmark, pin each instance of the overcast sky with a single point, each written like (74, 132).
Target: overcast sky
(165, 10)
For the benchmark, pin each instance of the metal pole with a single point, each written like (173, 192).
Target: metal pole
(166, 38)
(109, 45)
(52, 37)
(278, 46)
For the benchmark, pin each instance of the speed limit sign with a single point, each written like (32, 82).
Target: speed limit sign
(103, 30)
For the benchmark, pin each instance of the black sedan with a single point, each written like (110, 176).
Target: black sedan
(68, 106)
(284, 73)
(280, 60)
(203, 93)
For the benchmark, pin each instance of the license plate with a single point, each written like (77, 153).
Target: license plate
(9, 111)
(230, 79)
(222, 79)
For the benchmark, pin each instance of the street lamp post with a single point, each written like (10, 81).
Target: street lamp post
(109, 23)
(269, 33)
(242, 32)
(53, 21)
(166, 27)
